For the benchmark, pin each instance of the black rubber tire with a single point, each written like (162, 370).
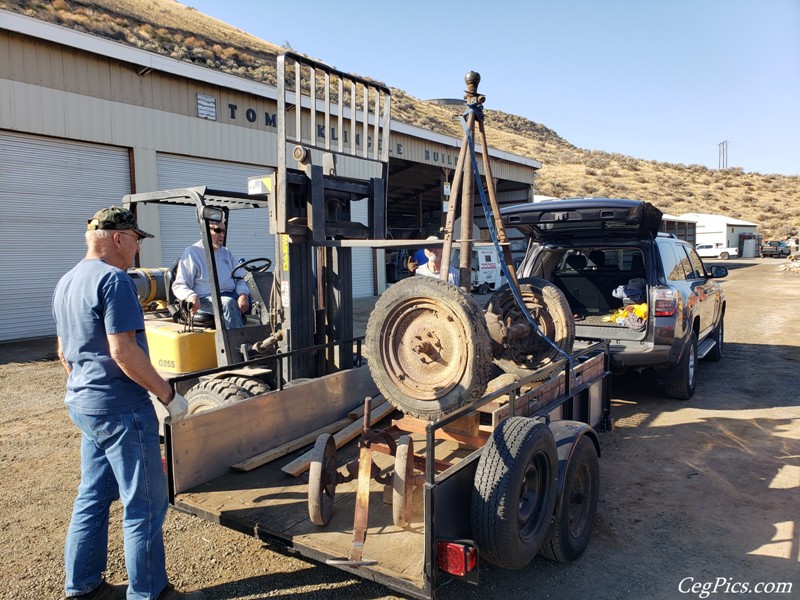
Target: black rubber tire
(253, 386)
(214, 393)
(514, 492)
(683, 385)
(322, 480)
(402, 481)
(715, 354)
(428, 346)
(576, 510)
(483, 289)
(552, 315)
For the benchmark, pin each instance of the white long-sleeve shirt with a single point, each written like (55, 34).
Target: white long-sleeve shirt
(191, 278)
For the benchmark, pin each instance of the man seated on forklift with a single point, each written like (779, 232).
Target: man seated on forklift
(192, 280)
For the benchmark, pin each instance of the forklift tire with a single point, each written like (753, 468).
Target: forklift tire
(514, 492)
(322, 480)
(403, 481)
(575, 511)
(214, 393)
(251, 385)
(550, 311)
(428, 347)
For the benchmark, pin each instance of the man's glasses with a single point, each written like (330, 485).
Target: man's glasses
(217, 229)
(133, 235)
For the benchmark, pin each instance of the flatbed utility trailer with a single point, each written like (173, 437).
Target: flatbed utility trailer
(272, 506)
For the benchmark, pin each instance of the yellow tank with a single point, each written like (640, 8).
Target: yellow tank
(175, 351)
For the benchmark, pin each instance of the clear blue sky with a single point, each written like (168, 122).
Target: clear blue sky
(665, 81)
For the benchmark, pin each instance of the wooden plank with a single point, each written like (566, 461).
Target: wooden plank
(270, 455)
(358, 413)
(414, 425)
(301, 464)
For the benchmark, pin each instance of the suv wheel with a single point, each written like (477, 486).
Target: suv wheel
(683, 384)
(715, 354)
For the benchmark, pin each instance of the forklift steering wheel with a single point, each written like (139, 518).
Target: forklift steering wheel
(249, 266)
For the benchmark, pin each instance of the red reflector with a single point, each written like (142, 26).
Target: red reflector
(457, 559)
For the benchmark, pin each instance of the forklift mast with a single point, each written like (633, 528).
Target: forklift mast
(326, 120)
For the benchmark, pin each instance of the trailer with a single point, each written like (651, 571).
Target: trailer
(444, 487)
(469, 433)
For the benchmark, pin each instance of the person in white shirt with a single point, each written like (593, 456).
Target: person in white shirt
(431, 268)
(192, 280)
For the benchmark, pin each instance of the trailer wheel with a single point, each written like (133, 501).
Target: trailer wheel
(214, 393)
(428, 347)
(576, 510)
(253, 386)
(322, 480)
(403, 481)
(549, 309)
(514, 492)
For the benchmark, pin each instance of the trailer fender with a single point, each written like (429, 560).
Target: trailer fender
(567, 434)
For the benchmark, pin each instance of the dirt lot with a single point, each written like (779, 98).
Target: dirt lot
(692, 493)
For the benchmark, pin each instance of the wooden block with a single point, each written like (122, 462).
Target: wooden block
(270, 455)
(414, 425)
(301, 464)
(468, 424)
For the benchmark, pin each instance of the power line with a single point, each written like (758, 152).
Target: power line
(723, 154)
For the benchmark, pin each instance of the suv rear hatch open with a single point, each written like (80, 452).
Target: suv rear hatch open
(584, 220)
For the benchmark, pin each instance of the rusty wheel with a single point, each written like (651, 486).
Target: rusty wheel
(428, 347)
(549, 309)
(403, 481)
(322, 480)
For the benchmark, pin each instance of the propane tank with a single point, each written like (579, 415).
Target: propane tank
(151, 286)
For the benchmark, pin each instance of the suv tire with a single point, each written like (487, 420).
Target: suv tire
(683, 384)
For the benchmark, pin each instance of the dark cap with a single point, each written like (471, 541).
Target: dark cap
(116, 218)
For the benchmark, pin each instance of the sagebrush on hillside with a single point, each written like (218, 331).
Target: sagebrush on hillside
(181, 32)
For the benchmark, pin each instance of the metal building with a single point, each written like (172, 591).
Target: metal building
(85, 120)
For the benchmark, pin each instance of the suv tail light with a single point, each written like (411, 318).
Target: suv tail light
(666, 302)
(458, 558)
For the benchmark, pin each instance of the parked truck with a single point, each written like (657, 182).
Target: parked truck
(716, 251)
(470, 434)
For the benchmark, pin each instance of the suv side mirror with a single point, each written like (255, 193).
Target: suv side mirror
(718, 272)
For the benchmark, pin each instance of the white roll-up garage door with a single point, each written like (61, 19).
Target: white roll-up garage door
(249, 237)
(49, 188)
(362, 257)
(249, 229)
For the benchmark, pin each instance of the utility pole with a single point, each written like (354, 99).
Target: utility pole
(723, 154)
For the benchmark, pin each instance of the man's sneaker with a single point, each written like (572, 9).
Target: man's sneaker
(170, 593)
(104, 591)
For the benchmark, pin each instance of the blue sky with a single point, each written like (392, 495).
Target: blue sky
(665, 81)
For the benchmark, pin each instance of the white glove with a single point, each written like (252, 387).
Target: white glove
(177, 409)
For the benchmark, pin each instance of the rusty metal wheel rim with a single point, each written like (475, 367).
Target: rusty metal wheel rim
(422, 348)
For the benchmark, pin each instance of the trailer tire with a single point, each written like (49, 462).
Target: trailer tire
(551, 312)
(428, 347)
(213, 393)
(514, 492)
(322, 480)
(403, 481)
(575, 511)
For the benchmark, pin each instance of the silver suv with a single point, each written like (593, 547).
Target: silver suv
(648, 293)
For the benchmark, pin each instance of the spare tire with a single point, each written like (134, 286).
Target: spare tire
(551, 313)
(428, 347)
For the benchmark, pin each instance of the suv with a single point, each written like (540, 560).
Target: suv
(775, 249)
(647, 293)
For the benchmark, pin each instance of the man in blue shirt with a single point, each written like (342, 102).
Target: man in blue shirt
(102, 345)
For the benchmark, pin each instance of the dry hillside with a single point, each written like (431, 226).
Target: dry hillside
(179, 31)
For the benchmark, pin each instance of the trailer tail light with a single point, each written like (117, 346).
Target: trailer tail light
(666, 302)
(459, 559)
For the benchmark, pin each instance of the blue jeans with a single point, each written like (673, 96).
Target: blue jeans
(230, 310)
(120, 458)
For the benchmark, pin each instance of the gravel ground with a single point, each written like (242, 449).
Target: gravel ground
(690, 491)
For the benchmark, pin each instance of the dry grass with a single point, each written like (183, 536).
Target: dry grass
(181, 32)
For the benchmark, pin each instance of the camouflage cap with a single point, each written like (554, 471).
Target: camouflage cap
(116, 218)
